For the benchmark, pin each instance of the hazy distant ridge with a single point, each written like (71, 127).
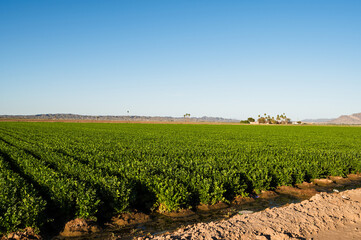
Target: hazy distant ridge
(348, 119)
(320, 120)
(61, 116)
(344, 119)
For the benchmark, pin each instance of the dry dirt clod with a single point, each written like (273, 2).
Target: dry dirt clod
(181, 213)
(27, 234)
(79, 227)
(205, 207)
(323, 181)
(130, 219)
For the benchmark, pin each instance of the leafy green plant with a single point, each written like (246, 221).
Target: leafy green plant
(95, 169)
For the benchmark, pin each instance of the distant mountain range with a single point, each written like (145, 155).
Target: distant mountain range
(344, 119)
(348, 119)
(319, 120)
(61, 116)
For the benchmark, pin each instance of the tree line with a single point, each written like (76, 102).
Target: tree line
(267, 119)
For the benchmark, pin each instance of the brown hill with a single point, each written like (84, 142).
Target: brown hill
(77, 117)
(348, 119)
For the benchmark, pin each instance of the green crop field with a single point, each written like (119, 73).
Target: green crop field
(98, 170)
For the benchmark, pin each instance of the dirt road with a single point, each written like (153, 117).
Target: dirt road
(323, 217)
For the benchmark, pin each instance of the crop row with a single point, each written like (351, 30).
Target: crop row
(99, 170)
(20, 204)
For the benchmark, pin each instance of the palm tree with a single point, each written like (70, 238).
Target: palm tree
(187, 115)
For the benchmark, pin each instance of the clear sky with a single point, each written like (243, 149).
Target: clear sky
(170, 57)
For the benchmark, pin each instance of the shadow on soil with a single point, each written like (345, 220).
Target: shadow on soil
(159, 223)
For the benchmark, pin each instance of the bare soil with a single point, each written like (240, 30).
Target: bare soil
(325, 216)
(206, 207)
(180, 213)
(26, 234)
(130, 219)
(79, 227)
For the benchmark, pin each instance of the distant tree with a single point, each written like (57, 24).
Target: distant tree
(268, 118)
(279, 119)
(244, 121)
(261, 120)
(299, 122)
(187, 116)
(250, 119)
(274, 121)
(283, 118)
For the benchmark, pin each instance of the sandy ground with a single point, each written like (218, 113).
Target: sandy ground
(323, 217)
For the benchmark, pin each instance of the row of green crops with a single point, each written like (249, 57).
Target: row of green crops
(97, 170)
(20, 204)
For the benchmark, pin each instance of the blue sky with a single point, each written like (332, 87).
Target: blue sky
(169, 57)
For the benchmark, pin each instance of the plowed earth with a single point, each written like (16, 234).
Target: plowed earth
(324, 217)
